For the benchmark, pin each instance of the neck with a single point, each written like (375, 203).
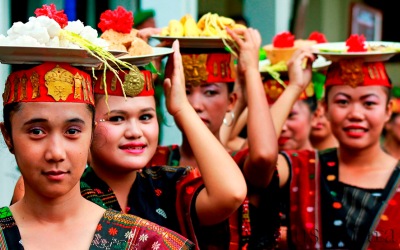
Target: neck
(54, 210)
(325, 143)
(360, 158)
(392, 146)
(119, 182)
(187, 156)
(306, 146)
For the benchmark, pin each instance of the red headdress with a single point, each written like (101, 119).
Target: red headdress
(49, 82)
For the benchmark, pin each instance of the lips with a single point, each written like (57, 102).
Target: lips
(282, 140)
(134, 148)
(355, 131)
(55, 175)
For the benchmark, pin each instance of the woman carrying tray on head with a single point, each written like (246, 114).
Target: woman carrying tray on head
(51, 148)
(209, 76)
(333, 202)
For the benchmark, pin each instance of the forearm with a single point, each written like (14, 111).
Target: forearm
(262, 140)
(280, 110)
(225, 188)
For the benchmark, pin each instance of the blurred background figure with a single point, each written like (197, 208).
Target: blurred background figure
(321, 136)
(144, 19)
(391, 131)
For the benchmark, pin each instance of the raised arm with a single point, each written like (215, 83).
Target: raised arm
(262, 141)
(225, 187)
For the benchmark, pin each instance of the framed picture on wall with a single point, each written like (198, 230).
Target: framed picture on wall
(366, 20)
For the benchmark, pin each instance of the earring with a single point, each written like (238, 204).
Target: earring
(230, 123)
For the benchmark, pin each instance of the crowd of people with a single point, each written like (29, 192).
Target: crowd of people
(256, 169)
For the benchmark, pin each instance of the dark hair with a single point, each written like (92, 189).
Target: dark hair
(16, 106)
(311, 103)
(231, 86)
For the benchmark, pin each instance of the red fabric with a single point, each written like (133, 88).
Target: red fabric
(387, 234)
(273, 89)
(304, 223)
(49, 82)
(114, 86)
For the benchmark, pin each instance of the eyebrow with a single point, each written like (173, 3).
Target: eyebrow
(123, 112)
(42, 120)
(362, 97)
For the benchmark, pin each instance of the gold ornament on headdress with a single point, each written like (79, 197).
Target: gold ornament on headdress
(59, 83)
(134, 82)
(35, 85)
(195, 68)
(351, 72)
(273, 89)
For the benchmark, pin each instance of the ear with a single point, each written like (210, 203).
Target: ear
(7, 138)
(233, 97)
(389, 111)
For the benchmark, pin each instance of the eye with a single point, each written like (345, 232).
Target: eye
(36, 131)
(292, 115)
(369, 103)
(342, 102)
(146, 117)
(116, 118)
(210, 92)
(73, 131)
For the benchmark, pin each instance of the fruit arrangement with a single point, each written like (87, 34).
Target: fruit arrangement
(209, 25)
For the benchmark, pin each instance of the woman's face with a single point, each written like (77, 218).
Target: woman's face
(211, 102)
(357, 115)
(126, 135)
(296, 130)
(51, 147)
(320, 126)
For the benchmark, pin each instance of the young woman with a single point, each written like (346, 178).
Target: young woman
(391, 132)
(209, 83)
(125, 140)
(51, 149)
(333, 202)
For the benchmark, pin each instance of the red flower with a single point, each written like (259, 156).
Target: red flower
(318, 37)
(119, 20)
(283, 40)
(356, 43)
(53, 13)
(99, 227)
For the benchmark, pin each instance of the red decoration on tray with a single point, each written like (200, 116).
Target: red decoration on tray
(119, 20)
(318, 37)
(283, 40)
(50, 11)
(356, 43)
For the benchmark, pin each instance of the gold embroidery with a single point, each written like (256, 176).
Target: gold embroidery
(90, 92)
(195, 69)
(78, 86)
(24, 80)
(114, 83)
(84, 87)
(134, 82)
(7, 90)
(16, 87)
(309, 90)
(351, 72)
(59, 83)
(101, 83)
(35, 85)
(223, 70)
(215, 69)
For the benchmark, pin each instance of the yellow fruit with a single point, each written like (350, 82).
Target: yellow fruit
(165, 31)
(185, 18)
(190, 28)
(225, 21)
(201, 24)
(239, 26)
(175, 28)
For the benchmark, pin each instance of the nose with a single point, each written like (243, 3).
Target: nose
(55, 151)
(284, 127)
(356, 112)
(196, 101)
(133, 130)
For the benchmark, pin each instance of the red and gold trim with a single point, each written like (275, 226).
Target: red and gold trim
(208, 68)
(356, 73)
(49, 82)
(134, 83)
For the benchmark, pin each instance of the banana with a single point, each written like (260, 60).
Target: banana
(165, 31)
(175, 28)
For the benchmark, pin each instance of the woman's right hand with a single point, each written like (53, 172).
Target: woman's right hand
(298, 76)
